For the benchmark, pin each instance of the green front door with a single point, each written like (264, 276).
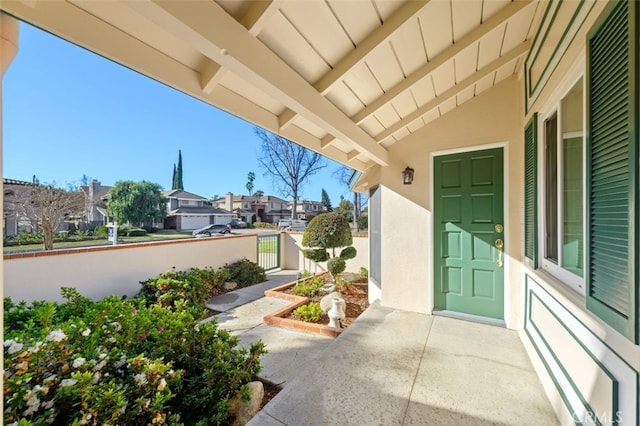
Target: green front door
(468, 233)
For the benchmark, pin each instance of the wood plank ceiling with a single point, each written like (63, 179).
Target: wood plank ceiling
(346, 78)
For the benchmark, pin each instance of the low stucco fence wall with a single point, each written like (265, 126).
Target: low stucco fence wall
(97, 272)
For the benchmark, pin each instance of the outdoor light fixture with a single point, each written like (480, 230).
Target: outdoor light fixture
(407, 176)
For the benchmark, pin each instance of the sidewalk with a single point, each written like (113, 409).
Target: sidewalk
(389, 367)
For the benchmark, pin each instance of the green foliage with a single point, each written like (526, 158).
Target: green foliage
(194, 287)
(245, 272)
(177, 174)
(317, 255)
(345, 209)
(119, 362)
(310, 312)
(364, 272)
(326, 202)
(101, 231)
(336, 265)
(136, 202)
(265, 225)
(309, 287)
(328, 230)
(136, 232)
(250, 178)
(363, 223)
(348, 253)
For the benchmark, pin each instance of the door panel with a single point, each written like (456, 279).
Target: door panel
(468, 204)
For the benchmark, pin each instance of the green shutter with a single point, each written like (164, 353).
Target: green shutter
(531, 190)
(612, 282)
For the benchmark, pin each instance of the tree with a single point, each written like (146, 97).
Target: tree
(345, 209)
(137, 202)
(326, 201)
(250, 178)
(48, 207)
(325, 232)
(344, 174)
(177, 174)
(288, 164)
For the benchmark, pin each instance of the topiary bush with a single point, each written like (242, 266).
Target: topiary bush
(324, 234)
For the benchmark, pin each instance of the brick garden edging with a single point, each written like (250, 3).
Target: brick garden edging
(276, 318)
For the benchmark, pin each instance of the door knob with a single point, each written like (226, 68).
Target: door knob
(499, 246)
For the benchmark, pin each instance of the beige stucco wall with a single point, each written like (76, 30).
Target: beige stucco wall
(293, 258)
(491, 119)
(103, 271)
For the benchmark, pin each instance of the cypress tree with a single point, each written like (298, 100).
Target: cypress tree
(180, 184)
(174, 182)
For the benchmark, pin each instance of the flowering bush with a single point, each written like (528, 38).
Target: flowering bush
(119, 362)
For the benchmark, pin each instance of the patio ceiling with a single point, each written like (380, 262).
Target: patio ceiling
(347, 79)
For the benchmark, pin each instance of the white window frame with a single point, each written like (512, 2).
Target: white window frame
(554, 106)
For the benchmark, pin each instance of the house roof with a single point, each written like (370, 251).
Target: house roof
(183, 195)
(200, 210)
(7, 181)
(346, 79)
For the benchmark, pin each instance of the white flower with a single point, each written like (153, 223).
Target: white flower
(99, 366)
(86, 332)
(122, 361)
(56, 336)
(48, 379)
(35, 348)
(140, 379)
(78, 362)
(48, 405)
(14, 347)
(116, 325)
(8, 343)
(162, 384)
(33, 403)
(102, 355)
(68, 382)
(111, 340)
(96, 378)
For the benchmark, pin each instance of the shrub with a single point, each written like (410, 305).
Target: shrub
(245, 272)
(265, 225)
(325, 233)
(309, 287)
(364, 272)
(119, 362)
(193, 287)
(136, 232)
(101, 231)
(336, 265)
(310, 312)
(363, 223)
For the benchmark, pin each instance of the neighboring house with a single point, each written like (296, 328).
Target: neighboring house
(13, 222)
(516, 122)
(190, 211)
(307, 210)
(95, 212)
(255, 208)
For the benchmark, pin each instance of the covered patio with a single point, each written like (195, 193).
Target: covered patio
(519, 121)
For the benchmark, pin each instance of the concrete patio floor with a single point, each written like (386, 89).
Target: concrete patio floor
(393, 367)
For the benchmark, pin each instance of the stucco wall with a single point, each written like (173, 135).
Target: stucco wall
(293, 258)
(101, 271)
(491, 119)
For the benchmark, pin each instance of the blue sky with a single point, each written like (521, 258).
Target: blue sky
(69, 113)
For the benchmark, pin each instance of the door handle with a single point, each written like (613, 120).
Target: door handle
(499, 246)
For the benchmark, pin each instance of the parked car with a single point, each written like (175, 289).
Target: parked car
(292, 225)
(211, 229)
(237, 224)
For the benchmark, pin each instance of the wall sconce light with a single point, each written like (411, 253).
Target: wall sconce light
(407, 176)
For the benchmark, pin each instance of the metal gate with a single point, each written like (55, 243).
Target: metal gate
(269, 251)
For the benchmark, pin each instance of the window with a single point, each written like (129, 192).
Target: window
(563, 197)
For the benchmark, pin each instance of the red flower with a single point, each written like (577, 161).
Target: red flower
(164, 287)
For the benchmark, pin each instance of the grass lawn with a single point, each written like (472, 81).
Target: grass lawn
(268, 245)
(162, 235)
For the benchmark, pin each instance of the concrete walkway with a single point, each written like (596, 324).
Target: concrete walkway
(393, 367)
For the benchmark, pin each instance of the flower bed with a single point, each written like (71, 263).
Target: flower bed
(285, 316)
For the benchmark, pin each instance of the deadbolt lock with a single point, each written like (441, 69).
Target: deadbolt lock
(499, 228)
